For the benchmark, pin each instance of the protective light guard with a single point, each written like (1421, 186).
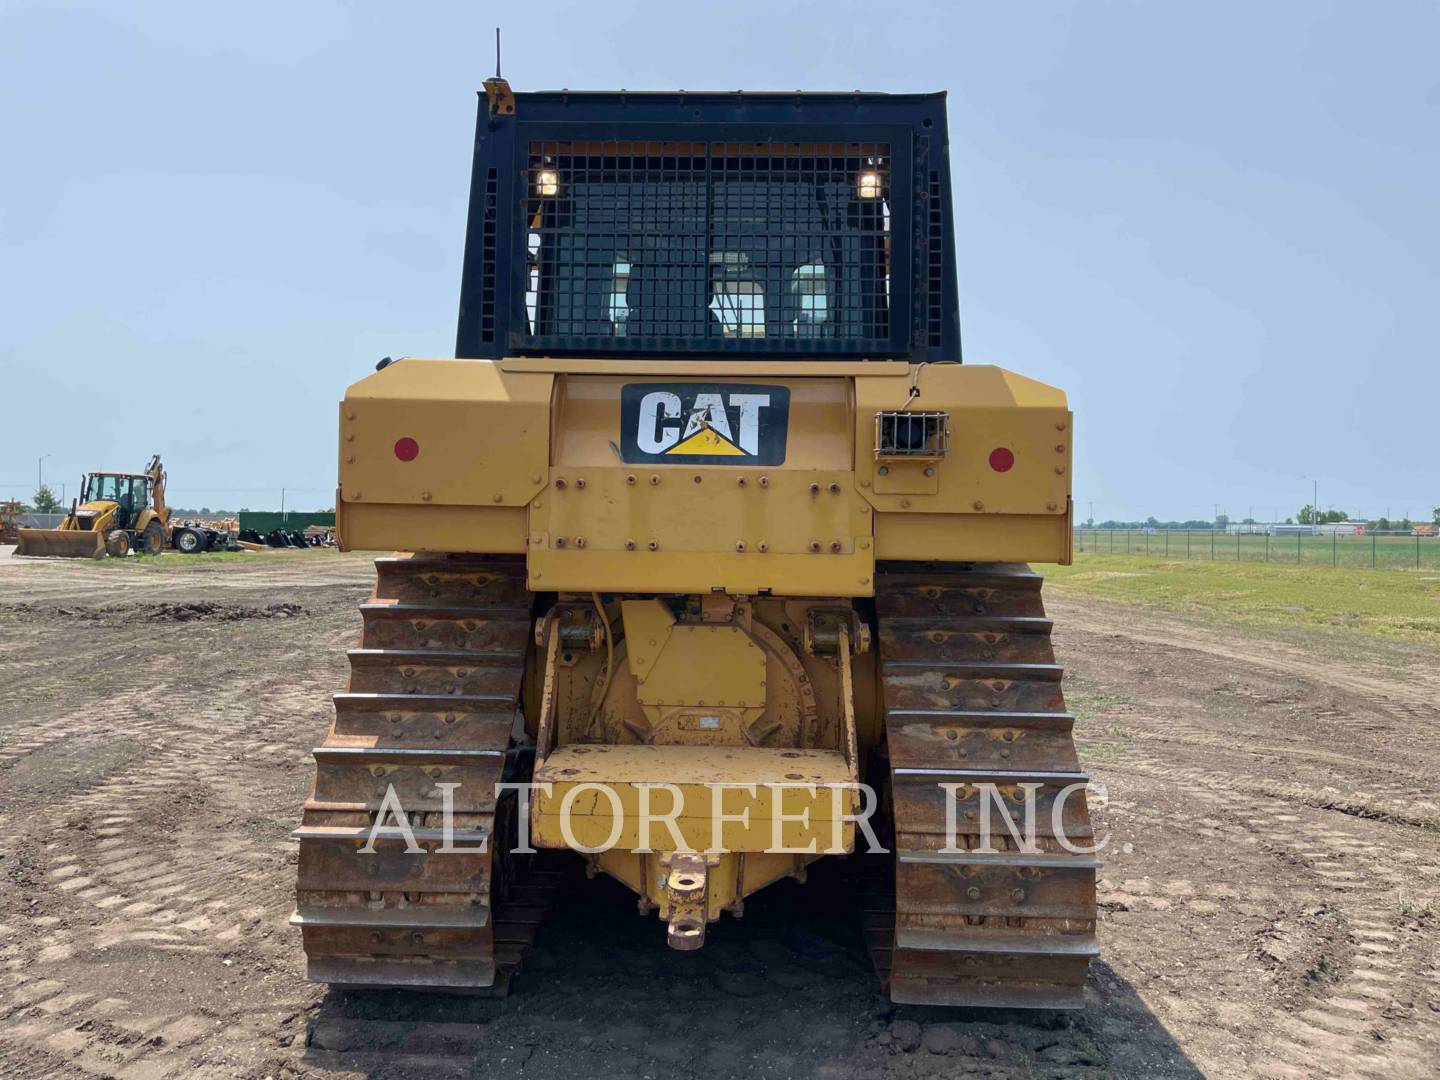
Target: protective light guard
(912, 435)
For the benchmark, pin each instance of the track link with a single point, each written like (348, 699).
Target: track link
(433, 699)
(972, 696)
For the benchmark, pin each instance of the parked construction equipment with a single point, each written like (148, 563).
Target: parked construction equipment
(114, 514)
(9, 521)
(191, 537)
(709, 511)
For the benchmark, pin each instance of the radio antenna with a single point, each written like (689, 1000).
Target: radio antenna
(497, 52)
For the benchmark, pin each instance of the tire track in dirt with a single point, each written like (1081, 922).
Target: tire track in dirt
(138, 866)
(1411, 697)
(1359, 1021)
(1335, 1034)
(1394, 796)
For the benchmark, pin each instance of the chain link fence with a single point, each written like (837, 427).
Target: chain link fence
(1372, 551)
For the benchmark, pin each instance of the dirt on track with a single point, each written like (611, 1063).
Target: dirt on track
(1270, 901)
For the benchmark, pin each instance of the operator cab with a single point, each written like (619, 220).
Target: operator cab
(777, 226)
(128, 491)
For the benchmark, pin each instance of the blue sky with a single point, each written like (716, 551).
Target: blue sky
(1216, 225)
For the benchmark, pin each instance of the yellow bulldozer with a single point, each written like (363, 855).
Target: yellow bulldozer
(116, 513)
(710, 563)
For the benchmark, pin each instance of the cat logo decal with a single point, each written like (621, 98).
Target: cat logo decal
(704, 423)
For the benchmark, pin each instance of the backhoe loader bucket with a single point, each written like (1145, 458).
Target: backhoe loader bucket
(66, 543)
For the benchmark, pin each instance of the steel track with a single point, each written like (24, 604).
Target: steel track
(433, 699)
(972, 696)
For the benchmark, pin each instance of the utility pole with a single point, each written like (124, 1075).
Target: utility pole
(282, 507)
(40, 471)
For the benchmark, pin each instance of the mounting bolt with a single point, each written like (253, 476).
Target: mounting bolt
(884, 470)
(497, 497)
(559, 541)
(741, 481)
(654, 479)
(1060, 426)
(350, 415)
(579, 541)
(535, 478)
(814, 489)
(350, 460)
(740, 545)
(1052, 507)
(762, 546)
(629, 545)
(904, 504)
(559, 483)
(834, 488)
(1059, 448)
(653, 545)
(425, 495)
(580, 482)
(814, 546)
(979, 505)
(835, 546)
(1059, 470)
(764, 481)
(929, 470)
(630, 479)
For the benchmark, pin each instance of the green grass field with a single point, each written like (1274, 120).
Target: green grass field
(1372, 552)
(1377, 602)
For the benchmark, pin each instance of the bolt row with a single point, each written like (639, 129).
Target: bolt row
(561, 483)
(835, 547)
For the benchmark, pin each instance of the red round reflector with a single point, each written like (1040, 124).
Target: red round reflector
(1002, 459)
(407, 449)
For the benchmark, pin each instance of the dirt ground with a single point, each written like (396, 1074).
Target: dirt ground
(1270, 900)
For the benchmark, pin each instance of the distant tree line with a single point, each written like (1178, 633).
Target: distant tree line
(1305, 516)
(1156, 523)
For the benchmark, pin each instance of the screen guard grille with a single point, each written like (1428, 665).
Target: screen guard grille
(772, 247)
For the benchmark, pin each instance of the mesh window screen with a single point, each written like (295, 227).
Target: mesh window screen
(708, 241)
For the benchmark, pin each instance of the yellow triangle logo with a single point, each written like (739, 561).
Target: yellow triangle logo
(707, 441)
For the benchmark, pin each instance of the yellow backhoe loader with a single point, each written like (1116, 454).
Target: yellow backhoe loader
(708, 534)
(116, 513)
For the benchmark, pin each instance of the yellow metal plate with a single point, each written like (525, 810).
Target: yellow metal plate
(696, 772)
(990, 409)
(482, 436)
(705, 665)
